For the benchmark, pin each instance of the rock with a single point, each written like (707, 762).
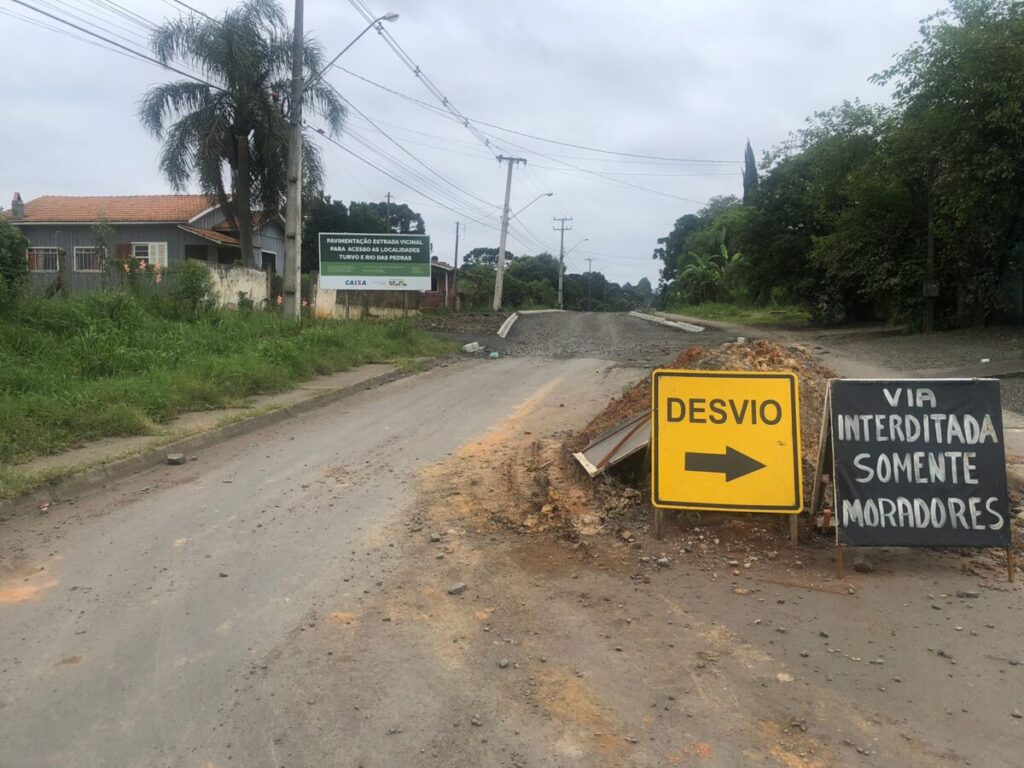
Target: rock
(805, 654)
(435, 537)
(472, 347)
(663, 562)
(627, 535)
(968, 594)
(823, 633)
(1017, 714)
(503, 664)
(476, 721)
(175, 459)
(222, 575)
(863, 565)
(457, 588)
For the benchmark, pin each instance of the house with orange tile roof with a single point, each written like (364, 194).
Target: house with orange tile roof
(160, 229)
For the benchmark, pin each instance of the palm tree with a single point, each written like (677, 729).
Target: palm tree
(235, 119)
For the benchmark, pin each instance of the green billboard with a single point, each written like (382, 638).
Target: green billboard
(374, 262)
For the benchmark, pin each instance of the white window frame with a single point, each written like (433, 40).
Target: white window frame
(55, 254)
(93, 251)
(156, 253)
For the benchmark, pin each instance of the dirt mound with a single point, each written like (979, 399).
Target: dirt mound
(737, 356)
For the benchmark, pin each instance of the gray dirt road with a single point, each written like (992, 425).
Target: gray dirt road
(281, 601)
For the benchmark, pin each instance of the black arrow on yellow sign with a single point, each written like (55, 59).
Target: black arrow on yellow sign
(732, 463)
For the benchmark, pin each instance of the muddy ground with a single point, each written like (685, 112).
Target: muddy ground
(719, 646)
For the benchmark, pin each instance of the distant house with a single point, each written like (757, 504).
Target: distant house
(161, 229)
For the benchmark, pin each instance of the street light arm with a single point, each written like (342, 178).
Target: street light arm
(581, 242)
(538, 197)
(316, 78)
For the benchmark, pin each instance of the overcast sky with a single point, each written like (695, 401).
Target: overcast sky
(670, 78)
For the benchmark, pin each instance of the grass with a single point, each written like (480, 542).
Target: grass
(101, 365)
(745, 315)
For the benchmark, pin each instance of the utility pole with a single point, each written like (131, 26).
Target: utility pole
(388, 209)
(931, 287)
(562, 229)
(455, 274)
(293, 199)
(500, 276)
(590, 273)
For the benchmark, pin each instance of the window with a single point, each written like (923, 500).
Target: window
(433, 283)
(151, 253)
(269, 262)
(87, 259)
(43, 260)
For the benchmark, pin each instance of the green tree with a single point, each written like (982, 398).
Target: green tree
(485, 256)
(13, 263)
(749, 173)
(239, 119)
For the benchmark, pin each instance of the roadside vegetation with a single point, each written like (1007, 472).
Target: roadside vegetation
(836, 219)
(745, 314)
(117, 363)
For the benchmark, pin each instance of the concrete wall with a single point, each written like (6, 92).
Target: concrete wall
(229, 281)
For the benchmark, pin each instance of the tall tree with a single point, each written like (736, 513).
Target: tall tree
(238, 119)
(749, 173)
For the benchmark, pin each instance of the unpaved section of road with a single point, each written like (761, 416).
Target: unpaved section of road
(394, 581)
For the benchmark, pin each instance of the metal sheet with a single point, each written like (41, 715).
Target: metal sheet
(618, 443)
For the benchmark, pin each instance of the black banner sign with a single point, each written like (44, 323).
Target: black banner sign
(919, 463)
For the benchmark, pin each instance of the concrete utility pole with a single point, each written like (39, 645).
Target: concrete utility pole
(293, 191)
(293, 199)
(562, 229)
(499, 278)
(455, 274)
(590, 273)
(388, 209)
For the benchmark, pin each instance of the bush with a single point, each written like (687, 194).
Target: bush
(191, 291)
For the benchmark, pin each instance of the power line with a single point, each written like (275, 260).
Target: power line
(420, 74)
(107, 40)
(611, 179)
(599, 150)
(403, 183)
(394, 141)
(194, 10)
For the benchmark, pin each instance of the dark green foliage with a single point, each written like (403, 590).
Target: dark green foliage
(13, 265)
(191, 290)
(749, 173)
(242, 123)
(839, 220)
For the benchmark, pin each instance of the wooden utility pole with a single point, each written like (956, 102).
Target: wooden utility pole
(293, 199)
(500, 276)
(562, 229)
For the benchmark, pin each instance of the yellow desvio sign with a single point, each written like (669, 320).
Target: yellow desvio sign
(726, 441)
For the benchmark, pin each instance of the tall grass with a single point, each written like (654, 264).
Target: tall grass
(102, 365)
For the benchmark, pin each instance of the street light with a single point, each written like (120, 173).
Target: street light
(391, 16)
(293, 194)
(581, 242)
(538, 197)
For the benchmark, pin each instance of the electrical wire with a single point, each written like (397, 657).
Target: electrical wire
(599, 150)
(137, 54)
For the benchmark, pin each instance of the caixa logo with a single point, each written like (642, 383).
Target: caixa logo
(397, 282)
(355, 282)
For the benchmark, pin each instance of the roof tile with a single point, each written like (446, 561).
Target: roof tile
(128, 208)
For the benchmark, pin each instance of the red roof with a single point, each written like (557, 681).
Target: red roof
(128, 208)
(214, 237)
